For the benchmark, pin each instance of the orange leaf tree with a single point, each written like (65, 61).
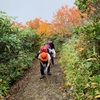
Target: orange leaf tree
(66, 18)
(46, 28)
(34, 24)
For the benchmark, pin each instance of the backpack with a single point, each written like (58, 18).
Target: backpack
(47, 46)
(51, 45)
(43, 49)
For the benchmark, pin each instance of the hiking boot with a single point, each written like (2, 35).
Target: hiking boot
(49, 74)
(42, 77)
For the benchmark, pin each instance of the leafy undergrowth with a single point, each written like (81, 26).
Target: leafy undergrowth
(17, 50)
(79, 72)
(10, 72)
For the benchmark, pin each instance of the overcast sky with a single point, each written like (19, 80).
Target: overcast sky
(27, 10)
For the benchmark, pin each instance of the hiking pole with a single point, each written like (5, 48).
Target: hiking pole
(46, 71)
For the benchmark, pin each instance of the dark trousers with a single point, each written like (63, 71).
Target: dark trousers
(42, 67)
(52, 60)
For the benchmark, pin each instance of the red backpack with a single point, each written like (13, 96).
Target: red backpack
(43, 49)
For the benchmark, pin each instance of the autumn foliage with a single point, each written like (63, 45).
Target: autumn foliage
(63, 22)
(34, 24)
(65, 18)
(46, 28)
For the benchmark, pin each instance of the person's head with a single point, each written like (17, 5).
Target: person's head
(44, 56)
(49, 41)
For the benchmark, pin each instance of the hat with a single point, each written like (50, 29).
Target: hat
(44, 56)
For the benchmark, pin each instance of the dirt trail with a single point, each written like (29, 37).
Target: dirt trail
(31, 87)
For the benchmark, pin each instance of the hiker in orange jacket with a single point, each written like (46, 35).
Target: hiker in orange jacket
(45, 60)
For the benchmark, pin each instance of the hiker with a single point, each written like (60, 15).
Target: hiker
(45, 60)
(52, 51)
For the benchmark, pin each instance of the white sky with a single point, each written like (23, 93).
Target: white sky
(27, 10)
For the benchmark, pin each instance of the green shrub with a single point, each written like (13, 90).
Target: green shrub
(79, 71)
(18, 48)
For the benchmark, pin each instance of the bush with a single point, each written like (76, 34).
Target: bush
(79, 70)
(18, 48)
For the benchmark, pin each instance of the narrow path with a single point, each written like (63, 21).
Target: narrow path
(30, 87)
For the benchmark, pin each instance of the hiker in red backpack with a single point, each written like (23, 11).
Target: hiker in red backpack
(45, 60)
(52, 51)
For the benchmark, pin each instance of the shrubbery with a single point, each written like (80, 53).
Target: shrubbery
(80, 59)
(17, 50)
